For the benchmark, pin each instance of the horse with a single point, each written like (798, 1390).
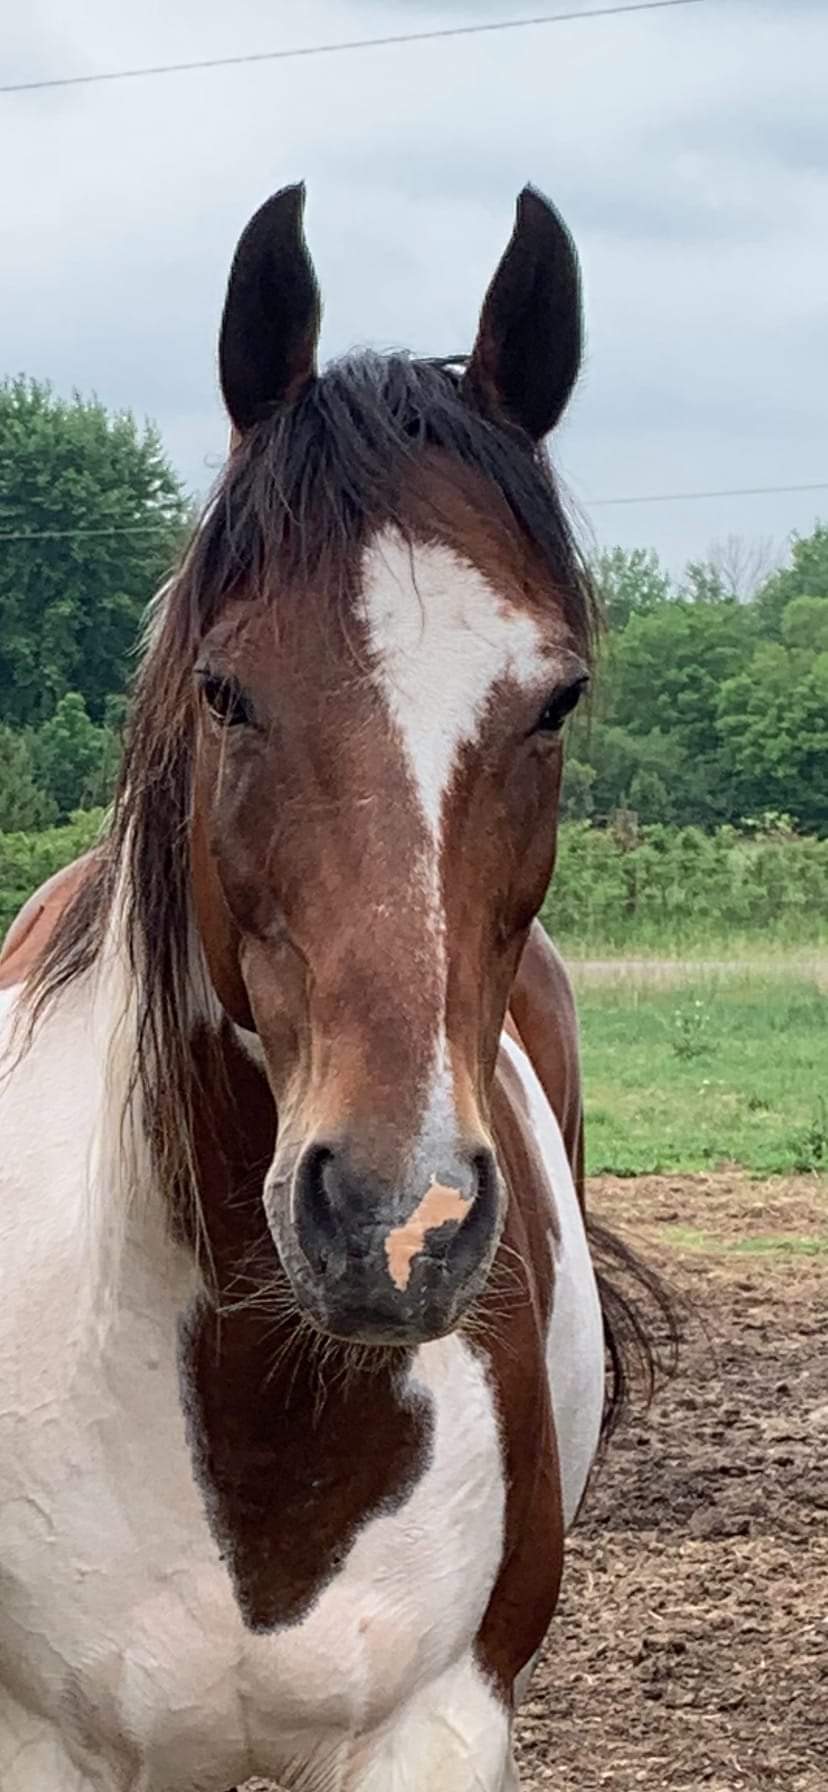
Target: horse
(302, 1349)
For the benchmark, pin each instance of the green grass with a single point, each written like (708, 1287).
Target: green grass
(759, 953)
(772, 1244)
(711, 1073)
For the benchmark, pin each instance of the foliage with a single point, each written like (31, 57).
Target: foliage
(26, 860)
(805, 624)
(811, 1148)
(629, 583)
(576, 790)
(71, 599)
(691, 1030)
(633, 886)
(663, 678)
(76, 761)
(772, 719)
(807, 576)
(710, 696)
(24, 803)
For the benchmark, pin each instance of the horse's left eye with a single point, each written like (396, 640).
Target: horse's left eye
(224, 698)
(555, 712)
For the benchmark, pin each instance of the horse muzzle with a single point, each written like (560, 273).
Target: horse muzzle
(374, 1262)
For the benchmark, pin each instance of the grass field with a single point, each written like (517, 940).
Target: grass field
(709, 1072)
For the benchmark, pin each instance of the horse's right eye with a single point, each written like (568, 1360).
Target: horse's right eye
(555, 712)
(225, 699)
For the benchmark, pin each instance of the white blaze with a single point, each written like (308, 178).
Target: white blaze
(443, 637)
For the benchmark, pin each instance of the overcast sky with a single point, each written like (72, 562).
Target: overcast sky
(687, 149)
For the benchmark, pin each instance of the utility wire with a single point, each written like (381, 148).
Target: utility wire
(338, 49)
(76, 534)
(735, 491)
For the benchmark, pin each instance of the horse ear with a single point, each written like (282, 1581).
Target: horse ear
(272, 312)
(528, 350)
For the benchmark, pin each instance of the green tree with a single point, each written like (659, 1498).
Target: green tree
(26, 860)
(807, 576)
(576, 790)
(24, 804)
(703, 583)
(805, 624)
(773, 723)
(662, 683)
(630, 583)
(74, 758)
(648, 796)
(92, 517)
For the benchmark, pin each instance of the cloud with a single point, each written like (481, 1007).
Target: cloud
(687, 150)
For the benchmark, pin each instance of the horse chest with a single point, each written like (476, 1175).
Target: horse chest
(203, 1574)
(135, 1601)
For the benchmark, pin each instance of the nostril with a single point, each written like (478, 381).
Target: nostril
(485, 1179)
(315, 1215)
(473, 1236)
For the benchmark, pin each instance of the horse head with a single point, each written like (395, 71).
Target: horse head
(366, 664)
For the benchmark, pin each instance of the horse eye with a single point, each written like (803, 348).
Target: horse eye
(553, 716)
(224, 698)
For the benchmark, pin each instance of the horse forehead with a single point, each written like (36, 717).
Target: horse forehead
(442, 638)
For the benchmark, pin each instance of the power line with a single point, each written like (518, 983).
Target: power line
(338, 49)
(734, 491)
(78, 534)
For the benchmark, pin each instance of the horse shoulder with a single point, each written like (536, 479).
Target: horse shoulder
(545, 1023)
(35, 922)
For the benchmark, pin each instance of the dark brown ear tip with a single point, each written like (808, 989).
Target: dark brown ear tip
(293, 198)
(531, 197)
(287, 207)
(532, 203)
(534, 209)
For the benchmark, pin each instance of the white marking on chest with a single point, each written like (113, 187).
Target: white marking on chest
(112, 1582)
(444, 638)
(575, 1340)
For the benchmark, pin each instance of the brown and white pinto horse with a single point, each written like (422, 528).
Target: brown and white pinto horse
(301, 1349)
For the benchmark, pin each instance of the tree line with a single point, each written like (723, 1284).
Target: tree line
(710, 706)
(626, 886)
(92, 518)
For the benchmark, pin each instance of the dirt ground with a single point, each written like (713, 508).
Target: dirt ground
(690, 1648)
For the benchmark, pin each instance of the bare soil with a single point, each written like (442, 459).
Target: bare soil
(690, 1648)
